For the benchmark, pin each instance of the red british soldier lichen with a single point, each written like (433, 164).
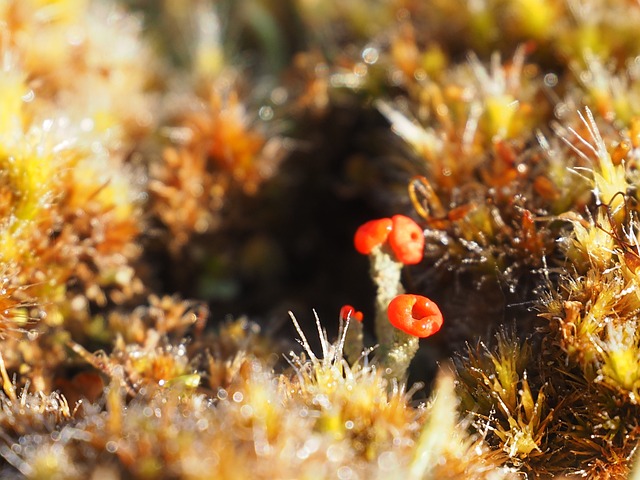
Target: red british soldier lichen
(415, 314)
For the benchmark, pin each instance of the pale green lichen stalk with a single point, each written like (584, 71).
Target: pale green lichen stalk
(396, 348)
(386, 274)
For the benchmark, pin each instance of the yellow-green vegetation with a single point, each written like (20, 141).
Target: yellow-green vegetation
(175, 176)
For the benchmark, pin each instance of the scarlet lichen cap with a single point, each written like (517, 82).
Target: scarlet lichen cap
(406, 240)
(372, 234)
(415, 315)
(404, 236)
(347, 311)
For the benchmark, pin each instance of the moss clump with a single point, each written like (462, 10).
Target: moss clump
(168, 167)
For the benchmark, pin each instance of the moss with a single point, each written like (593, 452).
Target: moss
(152, 155)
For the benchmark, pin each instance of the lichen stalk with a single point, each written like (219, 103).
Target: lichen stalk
(386, 273)
(399, 354)
(396, 349)
(353, 341)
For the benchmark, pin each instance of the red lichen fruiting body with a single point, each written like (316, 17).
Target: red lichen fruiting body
(371, 234)
(406, 240)
(347, 311)
(415, 315)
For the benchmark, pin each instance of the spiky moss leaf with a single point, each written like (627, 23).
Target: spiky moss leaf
(497, 387)
(466, 112)
(65, 48)
(598, 427)
(499, 371)
(610, 92)
(353, 403)
(591, 245)
(593, 321)
(264, 425)
(217, 148)
(620, 358)
(443, 436)
(30, 182)
(14, 309)
(50, 135)
(597, 331)
(596, 299)
(174, 317)
(28, 413)
(106, 182)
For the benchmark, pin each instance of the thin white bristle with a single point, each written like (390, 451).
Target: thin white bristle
(582, 140)
(323, 336)
(575, 149)
(342, 335)
(304, 342)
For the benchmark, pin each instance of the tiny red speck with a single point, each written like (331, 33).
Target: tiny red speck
(347, 311)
